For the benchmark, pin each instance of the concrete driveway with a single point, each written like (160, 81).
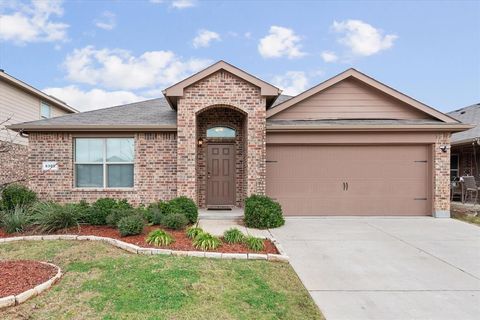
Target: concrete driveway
(387, 268)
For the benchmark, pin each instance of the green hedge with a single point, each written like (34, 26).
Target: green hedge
(17, 195)
(262, 212)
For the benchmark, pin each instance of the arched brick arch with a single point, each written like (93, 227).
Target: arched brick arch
(221, 91)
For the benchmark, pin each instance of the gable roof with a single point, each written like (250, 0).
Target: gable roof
(176, 90)
(34, 91)
(367, 80)
(471, 115)
(147, 115)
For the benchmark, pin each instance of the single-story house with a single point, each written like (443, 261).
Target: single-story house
(348, 146)
(465, 153)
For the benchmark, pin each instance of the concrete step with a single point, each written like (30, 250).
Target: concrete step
(234, 214)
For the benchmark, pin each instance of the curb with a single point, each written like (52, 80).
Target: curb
(281, 257)
(14, 300)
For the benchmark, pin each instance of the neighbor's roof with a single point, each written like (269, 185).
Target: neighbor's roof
(470, 115)
(153, 114)
(34, 91)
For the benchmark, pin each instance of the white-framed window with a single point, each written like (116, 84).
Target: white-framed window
(45, 110)
(104, 162)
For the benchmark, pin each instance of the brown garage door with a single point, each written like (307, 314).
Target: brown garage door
(350, 180)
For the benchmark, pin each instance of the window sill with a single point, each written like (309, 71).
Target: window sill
(102, 189)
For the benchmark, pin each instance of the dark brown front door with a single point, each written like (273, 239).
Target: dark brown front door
(220, 175)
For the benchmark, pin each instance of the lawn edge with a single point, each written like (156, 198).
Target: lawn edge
(281, 257)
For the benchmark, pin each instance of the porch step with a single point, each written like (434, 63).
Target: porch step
(234, 214)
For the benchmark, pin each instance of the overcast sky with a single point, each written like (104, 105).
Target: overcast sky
(95, 54)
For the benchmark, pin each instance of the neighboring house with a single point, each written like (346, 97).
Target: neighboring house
(465, 153)
(20, 102)
(348, 146)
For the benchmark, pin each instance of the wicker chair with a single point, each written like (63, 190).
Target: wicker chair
(470, 187)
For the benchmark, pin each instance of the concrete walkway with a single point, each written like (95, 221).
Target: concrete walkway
(387, 268)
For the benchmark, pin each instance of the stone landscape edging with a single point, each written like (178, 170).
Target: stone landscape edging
(282, 257)
(13, 300)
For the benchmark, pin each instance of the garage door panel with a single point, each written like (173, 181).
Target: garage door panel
(382, 180)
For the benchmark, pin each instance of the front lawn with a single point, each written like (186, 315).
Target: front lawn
(103, 282)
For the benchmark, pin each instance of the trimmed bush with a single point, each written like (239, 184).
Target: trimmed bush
(131, 225)
(157, 211)
(17, 195)
(262, 212)
(50, 216)
(100, 209)
(16, 220)
(193, 232)
(159, 238)
(205, 241)
(186, 206)
(175, 221)
(113, 218)
(255, 244)
(233, 235)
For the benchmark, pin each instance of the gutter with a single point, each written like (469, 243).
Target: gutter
(89, 127)
(318, 128)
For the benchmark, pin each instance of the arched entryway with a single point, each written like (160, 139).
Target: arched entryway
(221, 156)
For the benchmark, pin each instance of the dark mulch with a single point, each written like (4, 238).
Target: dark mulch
(182, 242)
(22, 275)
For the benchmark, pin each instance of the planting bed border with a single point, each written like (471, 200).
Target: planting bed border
(282, 257)
(13, 300)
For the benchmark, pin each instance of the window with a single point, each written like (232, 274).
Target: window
(454, 168)
(104, 163)
(220, 132)
(45, 111)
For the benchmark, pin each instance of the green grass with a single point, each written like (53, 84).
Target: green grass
(102, 282)
(467, 218)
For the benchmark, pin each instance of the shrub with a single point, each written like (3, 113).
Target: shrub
(131, 225)
(50, 216)
(206, 241)
(100, 209)
(262, 212)
(186, 206)
(157, 211)
(83, 210)
(233, 235)
(16, 220)
(175, 221)
(17, 195)
(117, 214)
(255, 244)
(193, 232)
(159, 238)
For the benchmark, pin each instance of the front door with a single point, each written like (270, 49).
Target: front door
(220, 175)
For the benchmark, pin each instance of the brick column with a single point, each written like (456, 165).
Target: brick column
(441, 177)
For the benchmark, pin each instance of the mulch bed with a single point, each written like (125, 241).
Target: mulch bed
(182, 242)
(22, 275)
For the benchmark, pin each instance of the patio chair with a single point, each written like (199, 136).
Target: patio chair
(470, 187)
(456, 189)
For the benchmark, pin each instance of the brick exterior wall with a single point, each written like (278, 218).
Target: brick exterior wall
(13, 162)
(221, 89)
(441, 176)
(154, 171)
(220, 116)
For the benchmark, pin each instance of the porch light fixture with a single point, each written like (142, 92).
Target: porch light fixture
(200, 142)
(444, 148)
